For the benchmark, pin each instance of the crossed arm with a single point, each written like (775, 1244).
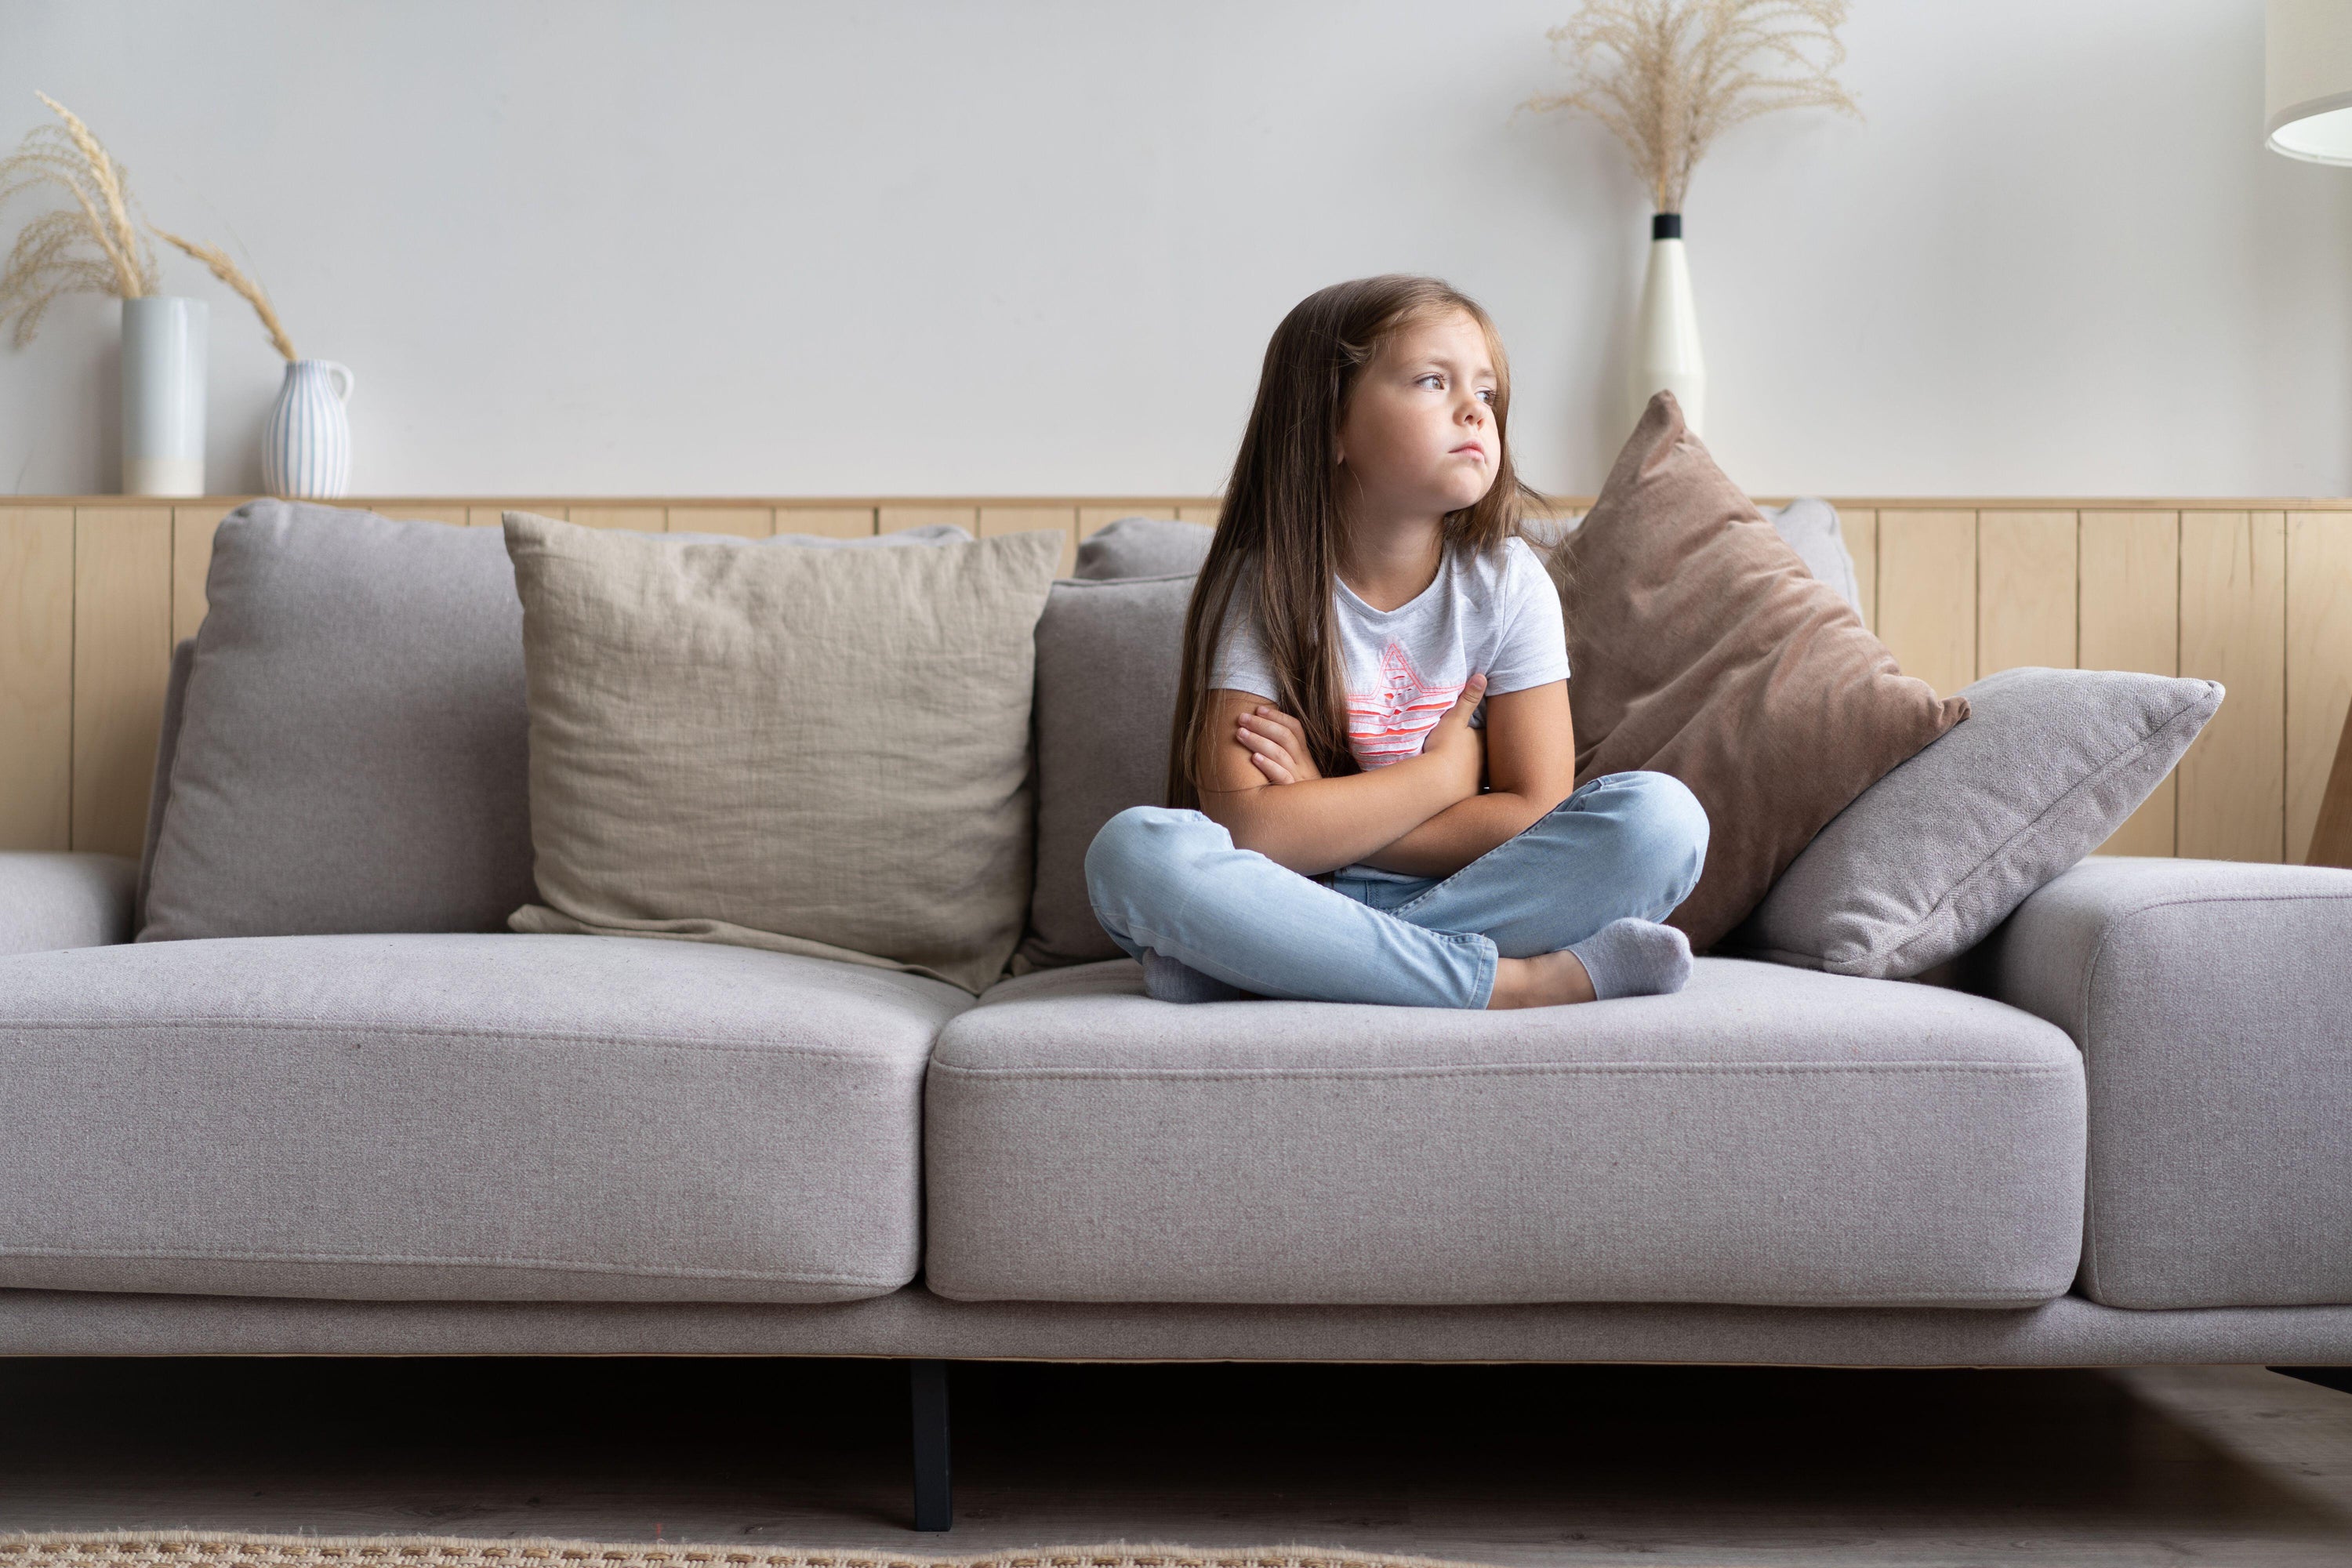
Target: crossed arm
(1423, 816)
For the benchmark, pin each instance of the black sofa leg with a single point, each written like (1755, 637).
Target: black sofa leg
(2338, 1378)
(934, 1503)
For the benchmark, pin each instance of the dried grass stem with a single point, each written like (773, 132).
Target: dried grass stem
(213, 256)
(1668, 77)
(53, 255)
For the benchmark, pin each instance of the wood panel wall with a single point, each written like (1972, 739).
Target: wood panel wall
(94, 592)
(2255, 596)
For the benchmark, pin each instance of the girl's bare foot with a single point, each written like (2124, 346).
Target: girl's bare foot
(1548, 980)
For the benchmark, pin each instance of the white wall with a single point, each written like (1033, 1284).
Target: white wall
(1035, 246)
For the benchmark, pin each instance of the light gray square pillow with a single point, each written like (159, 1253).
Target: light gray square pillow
(1925, 862)
(1107, 656)
(1143, 547)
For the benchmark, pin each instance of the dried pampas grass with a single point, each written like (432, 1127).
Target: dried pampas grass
(1670, 76)
(53, 255)
(213, 256)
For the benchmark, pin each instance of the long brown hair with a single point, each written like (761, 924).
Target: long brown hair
(1277, 548)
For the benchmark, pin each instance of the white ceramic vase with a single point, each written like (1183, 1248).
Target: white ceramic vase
(306, 447)
(1665, 340)
(163, 396)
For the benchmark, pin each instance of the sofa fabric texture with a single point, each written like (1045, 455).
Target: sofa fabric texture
(822, 751)
(1769, 1136)
(50, 901)
(1703, 647)
(1107, 657)
(462, 1117)
(2210, 1001)
(2067, 1332)
(1929, 859)
(159, 785)
(351, 745)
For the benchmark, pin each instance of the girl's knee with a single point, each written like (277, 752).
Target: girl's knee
(1139, 850)
(1665, 831)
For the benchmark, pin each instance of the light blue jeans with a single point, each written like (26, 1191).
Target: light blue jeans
(1170, 880)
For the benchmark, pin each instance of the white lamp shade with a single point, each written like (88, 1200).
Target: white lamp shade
(2308, 96)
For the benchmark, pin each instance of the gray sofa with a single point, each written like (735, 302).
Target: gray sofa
(367, 1121)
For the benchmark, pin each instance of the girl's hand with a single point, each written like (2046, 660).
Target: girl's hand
(1278, 744)
(1461, 748)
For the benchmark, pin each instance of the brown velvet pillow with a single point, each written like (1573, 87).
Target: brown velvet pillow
(1704, 648)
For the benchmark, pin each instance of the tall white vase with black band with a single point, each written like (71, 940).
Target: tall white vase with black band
(1665, 339)
(306, 448)
(163, 396)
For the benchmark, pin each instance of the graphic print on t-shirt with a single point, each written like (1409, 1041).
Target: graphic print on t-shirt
(1389, 722)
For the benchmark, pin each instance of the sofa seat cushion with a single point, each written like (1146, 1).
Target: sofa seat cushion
(462, 1117)
(1769, 1136)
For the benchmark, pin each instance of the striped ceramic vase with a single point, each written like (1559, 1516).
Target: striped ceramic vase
(306, 448)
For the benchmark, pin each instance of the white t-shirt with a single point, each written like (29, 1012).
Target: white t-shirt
(1497, 614)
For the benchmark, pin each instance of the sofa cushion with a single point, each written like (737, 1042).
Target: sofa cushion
(461, 1118)
(2211, 1003)
(349, 753)
(1930, 858)
(821, 751)
(1767, 1136)
(1108, 654)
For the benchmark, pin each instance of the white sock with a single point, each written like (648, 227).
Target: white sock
(1634, 958)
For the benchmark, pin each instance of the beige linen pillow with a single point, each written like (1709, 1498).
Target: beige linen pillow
(1703, 648)
(821, 751)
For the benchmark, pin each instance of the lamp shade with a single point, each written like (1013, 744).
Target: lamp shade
(2308, 96)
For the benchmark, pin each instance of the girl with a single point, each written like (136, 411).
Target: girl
(1365, 597)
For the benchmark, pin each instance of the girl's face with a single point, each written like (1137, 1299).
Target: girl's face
(1419, 436)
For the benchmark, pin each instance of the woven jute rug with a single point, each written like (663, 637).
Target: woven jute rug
(197, 1549)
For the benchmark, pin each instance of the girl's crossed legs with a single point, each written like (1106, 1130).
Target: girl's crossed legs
(1624, 845)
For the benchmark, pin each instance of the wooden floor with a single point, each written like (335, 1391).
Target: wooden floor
(1500, 1464)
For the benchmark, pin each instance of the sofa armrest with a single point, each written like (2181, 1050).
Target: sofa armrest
(55, 901)
(2212, 1004)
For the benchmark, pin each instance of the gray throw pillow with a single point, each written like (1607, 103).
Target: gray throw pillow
(1925, 862)
(1108, 654)
(350, 753)
(1143, 547)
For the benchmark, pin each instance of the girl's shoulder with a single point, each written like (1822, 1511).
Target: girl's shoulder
(1499, 574)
